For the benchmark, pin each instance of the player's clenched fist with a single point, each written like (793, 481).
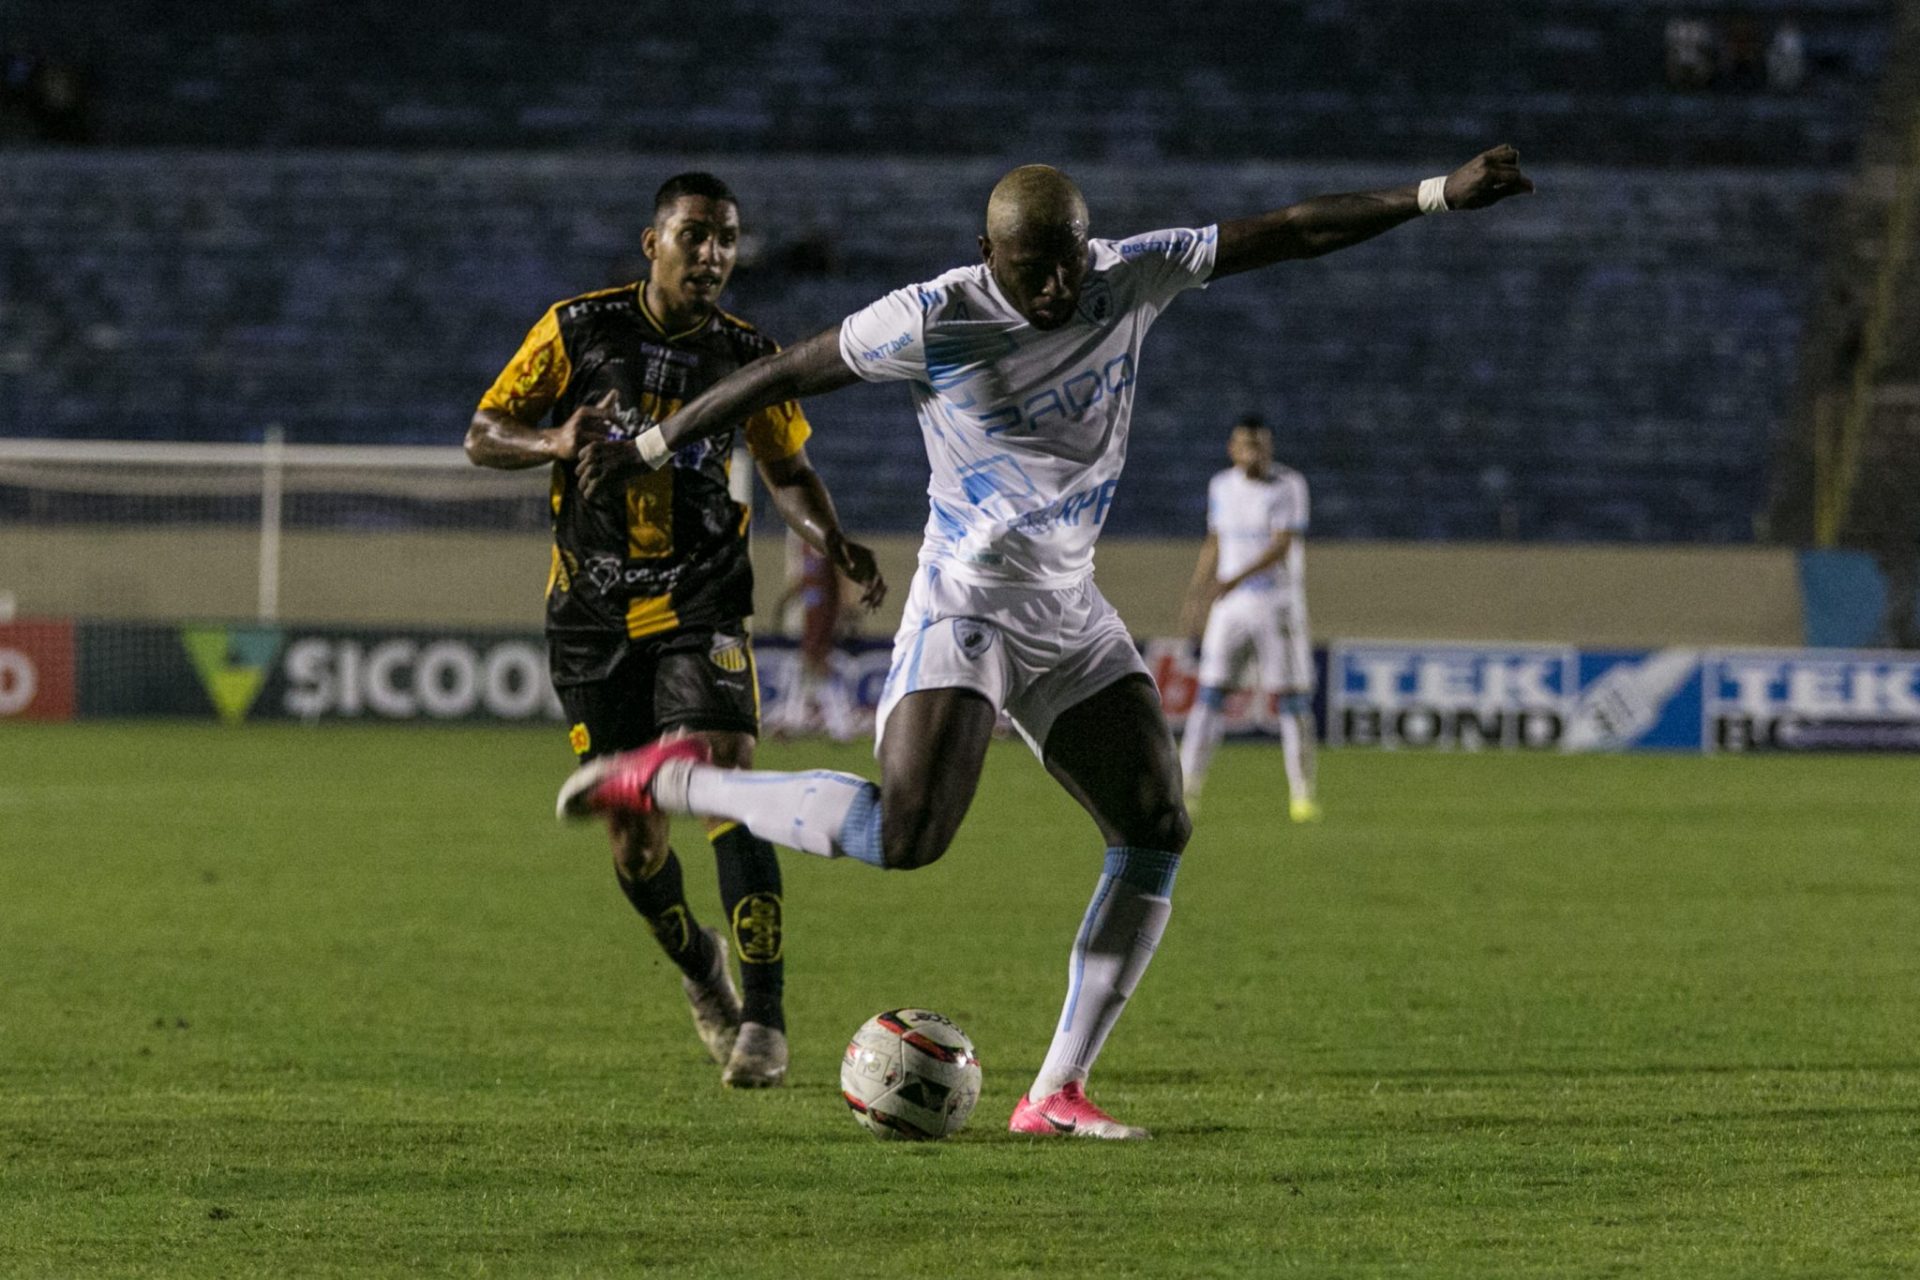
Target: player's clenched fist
(1486, 179)
(856, 561)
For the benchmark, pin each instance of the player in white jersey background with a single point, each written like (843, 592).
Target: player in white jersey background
(1250, 590)
(1022, 369)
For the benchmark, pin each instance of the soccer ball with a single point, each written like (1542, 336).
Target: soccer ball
(910, 1074)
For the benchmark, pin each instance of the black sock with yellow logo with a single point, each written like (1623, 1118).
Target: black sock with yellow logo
(661, 900)
(750, 895)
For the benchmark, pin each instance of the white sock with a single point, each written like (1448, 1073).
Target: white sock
(1117, 938)
(820, 811)
(1296, 746)
(1205, 726)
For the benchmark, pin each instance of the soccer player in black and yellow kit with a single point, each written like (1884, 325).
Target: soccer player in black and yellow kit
(650, 587)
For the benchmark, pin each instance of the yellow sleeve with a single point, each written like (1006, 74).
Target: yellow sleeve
(778, 432)
(536, 375)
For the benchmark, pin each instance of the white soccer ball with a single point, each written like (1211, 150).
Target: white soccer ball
(910, 1074)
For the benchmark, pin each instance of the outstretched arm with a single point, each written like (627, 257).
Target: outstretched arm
(498, 439)
(1323, 224)
(808, 368)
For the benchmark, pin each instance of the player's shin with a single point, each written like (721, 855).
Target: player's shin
(1297, 748)
(661, 900)
(822, 812)
(750, 895)
(1117, 939)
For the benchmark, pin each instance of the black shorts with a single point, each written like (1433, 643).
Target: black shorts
(698, 678)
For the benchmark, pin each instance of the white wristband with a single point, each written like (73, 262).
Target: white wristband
(1433, 195)
(651, 445)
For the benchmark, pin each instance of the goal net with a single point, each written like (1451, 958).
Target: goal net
(135, 531)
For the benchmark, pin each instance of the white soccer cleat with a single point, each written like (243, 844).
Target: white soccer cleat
(759, 1058)
(715, 1002)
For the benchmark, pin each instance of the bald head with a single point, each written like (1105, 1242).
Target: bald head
(1036, 243)
(1035, 200)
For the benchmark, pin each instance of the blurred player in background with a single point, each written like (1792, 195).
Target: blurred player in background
(810, 608)
(1250, 590)
(651, 586)
(1022, 369)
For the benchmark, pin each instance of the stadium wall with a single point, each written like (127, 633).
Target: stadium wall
(1616, 595)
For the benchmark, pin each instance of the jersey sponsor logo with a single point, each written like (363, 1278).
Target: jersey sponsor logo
(887, 348)
(1070, 401)
(232, 663)
(1067, 512)
(1176, 243)
(623, 301)
(603, 572)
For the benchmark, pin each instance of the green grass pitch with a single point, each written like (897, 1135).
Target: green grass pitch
(347, 1001)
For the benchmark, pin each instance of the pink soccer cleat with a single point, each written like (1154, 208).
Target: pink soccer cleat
(1068, 1113)
(618, 784)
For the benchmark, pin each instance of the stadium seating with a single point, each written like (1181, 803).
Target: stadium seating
(1581, 80)
(1608, 360)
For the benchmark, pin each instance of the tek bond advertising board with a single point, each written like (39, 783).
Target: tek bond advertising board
(1536, 698)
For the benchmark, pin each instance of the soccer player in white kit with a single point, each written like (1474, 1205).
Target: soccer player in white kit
(1250, 586)
(1022, 369)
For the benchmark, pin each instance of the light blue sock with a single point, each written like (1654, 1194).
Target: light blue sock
(1117, 938)
(860, 834)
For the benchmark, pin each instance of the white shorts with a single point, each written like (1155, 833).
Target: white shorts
(1032, 652)
(1276, 632)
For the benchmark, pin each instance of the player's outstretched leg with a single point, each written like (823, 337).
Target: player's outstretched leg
(1114, 754)
(935, 744)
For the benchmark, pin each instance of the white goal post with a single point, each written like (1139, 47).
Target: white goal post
(272, 530)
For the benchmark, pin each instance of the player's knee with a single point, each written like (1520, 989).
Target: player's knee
(637, 849)
(1165, 827)
(730, 750)
(912, 838)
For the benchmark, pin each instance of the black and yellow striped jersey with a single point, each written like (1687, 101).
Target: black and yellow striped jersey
(671, 551)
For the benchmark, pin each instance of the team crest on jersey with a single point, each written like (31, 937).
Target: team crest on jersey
(729, 653)
(973, 637)
(1096, 301)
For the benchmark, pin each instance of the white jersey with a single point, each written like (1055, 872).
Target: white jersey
(1244, 515)
(1026, 428)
